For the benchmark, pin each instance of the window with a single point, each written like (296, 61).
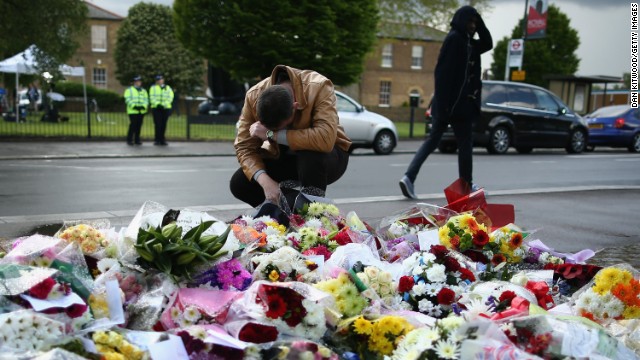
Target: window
(522, 97)
(98, 38)
(387, 56)
(385, 93)
(545, 101)
(100, 77)
(345, 105)
(494, 94)
(416, 57)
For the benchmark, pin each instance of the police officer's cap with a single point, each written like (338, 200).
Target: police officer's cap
(137, 78)
(159, 76)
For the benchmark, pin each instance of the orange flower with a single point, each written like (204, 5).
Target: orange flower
(498, 259)
(624, 293)
(587, 315)
(471, 223)
(516, 240)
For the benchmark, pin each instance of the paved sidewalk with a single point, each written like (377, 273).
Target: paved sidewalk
(23, 150)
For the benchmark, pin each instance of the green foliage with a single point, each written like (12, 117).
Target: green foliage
(248, 38)
(105, 98)
(54, 26)
(147, 46)
(434, 13)
(554, 54)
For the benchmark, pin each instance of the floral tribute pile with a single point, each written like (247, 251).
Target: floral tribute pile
(454, 282)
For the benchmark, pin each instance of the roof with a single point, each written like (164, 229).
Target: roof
(96, 12)
(594, 79)
(410, 32)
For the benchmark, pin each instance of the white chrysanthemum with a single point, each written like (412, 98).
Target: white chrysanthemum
(451, 323)
(419, 289)
(447, 349)
(313, 223)
(544, 257)
(198, 332)
(613, 307)
(275, 241)
(418, 270)
(475, 308)
(315, 209)
(586, 299)
(435, 311)
(519, 279)
(175, 313)
(252, 352)
(434, 288)
(437, 273)
(431, 336)
(183, 323)
(191, 314)
(398, 229)
(424, 305)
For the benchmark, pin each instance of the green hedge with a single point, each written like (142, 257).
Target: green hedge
(105, 98)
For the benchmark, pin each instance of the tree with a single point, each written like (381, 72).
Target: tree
(554, 54)
(54, 26)
(248, 38)
(434, 13)
(147, 46)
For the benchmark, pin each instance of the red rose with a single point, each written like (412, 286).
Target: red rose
(507, 296)
(342, 237)
(480, 239)
(446, 296)
(451, 264)
(440, 251)
(42, 290)
(276, 307)
(476, 256)
(467, 274)
(406, 284)
(75, 310)
(258, 333)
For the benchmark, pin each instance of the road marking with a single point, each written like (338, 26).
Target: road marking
(544, 162)
(634, 159)
(422, 198)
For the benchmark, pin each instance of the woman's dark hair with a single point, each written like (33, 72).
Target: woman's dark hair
(275, 105)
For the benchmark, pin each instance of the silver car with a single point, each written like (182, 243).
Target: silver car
(365, 128)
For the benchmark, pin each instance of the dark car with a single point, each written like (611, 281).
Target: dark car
(525, 117)
(615, 126)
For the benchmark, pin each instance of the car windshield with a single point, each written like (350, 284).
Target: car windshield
(609, 111)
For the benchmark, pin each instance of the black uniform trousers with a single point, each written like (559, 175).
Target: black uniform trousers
(160, 118)
(135, 125)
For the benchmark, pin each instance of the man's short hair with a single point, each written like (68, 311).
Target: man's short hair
(275, 105)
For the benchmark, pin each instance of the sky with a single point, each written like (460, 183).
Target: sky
(602, 25)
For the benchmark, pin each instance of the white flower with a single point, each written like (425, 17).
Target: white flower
(425, 306)
(432, 335)
(385, 277)
(106, 264)
(475, 308)
(398, 229)
(275, 241)
(544, 257)
(586, 299)
(447, 349)
(419, 289)
(435, 311)
(372, 272)
(436, 273)
(192, 314)
(519, 279)
(313, 223)
(175, 313)
(363, 277)
(417, 270)
(428, 257)
(434, 288)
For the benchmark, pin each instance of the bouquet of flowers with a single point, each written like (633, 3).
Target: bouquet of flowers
(198, 307)
(613, 294)
(26, 330)
(377, 280)
(569, 278)
(294, 308)
(92, 238)
(370, 339)
(292, 350)
(284, 264)
(436, 282)
(349, 301)
(113, 345)
(438, 342)
(328, 215)
(496, 300)
(227, 275)
(413, 220)
(262, 233)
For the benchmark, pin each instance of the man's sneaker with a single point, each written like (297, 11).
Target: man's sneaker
(407, 188)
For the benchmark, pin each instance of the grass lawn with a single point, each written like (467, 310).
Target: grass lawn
(114, 126)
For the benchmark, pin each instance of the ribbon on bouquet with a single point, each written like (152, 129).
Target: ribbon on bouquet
(577, 258)
(461, 199)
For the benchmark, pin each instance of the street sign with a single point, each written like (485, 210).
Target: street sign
(518, 75)
(516, 51)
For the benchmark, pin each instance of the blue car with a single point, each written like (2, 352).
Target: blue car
(614, 126)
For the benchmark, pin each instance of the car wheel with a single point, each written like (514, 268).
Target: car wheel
(577, 142)
(384, 142)
(589, 148)
(447, 148)
(524, 149)
(499, 140)
(635, 144)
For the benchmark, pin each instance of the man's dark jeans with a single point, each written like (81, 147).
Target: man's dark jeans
(310, 168)
(463, 130)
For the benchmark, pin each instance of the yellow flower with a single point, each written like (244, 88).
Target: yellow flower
(601, 289)
(631, 312)
(362, 326)
(130, 351)
(274, 276)
(443, 233)
(609, 277)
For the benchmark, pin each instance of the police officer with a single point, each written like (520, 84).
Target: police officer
(137, 100)
(161, 96)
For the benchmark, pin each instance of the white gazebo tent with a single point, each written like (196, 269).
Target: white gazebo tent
(25, 63)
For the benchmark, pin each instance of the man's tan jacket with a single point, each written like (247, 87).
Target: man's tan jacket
(315, 126)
